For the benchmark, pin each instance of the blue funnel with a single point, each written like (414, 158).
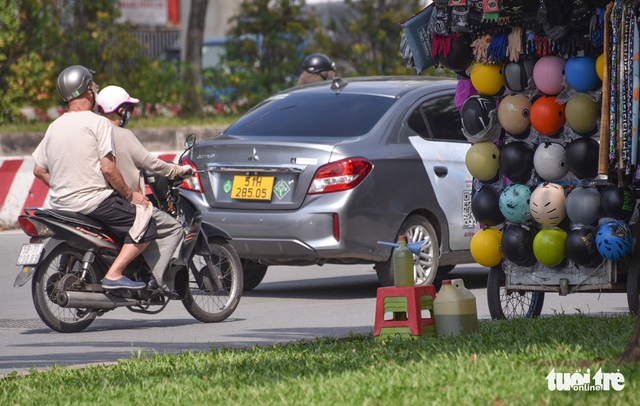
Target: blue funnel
(414, 247)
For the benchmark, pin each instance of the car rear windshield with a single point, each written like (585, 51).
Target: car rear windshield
(313, 115)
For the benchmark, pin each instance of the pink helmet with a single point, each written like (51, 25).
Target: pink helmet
(548, 74)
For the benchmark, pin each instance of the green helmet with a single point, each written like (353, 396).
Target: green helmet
(549, 246)
(582, 114)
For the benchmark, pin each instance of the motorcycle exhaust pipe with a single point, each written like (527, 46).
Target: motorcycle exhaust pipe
(94, 300)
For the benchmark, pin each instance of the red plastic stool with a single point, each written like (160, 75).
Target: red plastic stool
(410, 301)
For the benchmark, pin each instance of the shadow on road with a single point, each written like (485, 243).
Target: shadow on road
(473, 277)
(340, 287)
(355, 286)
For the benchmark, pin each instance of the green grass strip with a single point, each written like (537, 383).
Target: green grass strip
(506, 363)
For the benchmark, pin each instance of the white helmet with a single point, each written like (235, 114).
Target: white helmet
(550, 162)
(547, 204)
(112, 97)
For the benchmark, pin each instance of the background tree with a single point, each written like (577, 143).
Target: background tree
(365, 40)
(24, 74)
(376, 35)
(267, 47)
(89, 35)
(193, 58)
(39, 38)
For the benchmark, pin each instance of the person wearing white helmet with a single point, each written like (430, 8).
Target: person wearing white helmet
(76, 160)
(131, 156)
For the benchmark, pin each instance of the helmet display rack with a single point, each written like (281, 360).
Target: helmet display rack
(560, 77)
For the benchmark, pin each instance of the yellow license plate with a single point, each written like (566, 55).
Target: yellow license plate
(252, 187)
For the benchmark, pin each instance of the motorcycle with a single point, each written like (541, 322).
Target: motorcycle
(69, 253)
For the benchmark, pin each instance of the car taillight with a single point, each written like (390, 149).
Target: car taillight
(340, 175)
(34, 228)
(336, 226)
(192, 183)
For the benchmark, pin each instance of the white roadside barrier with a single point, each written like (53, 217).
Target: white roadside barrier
(20, 189)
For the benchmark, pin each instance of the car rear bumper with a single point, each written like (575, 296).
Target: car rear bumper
(306, 235)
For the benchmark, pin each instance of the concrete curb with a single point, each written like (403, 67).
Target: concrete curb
(154, 139)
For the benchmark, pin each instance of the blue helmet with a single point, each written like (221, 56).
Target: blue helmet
(514, 203)
(614, 240)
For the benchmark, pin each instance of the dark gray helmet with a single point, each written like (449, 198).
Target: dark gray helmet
(316, 63)
(73, 81)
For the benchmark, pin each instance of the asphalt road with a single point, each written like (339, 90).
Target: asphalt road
(292, 303)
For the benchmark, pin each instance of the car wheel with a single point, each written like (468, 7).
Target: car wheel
(253, 274)
(416, 228)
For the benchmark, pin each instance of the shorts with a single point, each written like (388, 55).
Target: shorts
(118, 215)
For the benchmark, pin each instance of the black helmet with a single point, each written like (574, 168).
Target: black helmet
(618, 202)
(582, 157)
(580, 246)
(516, 161)
(460, 55)
(485, 207)
(517, 74)
(316, 63)
(517, 244)
(480, 119)
(73, 81)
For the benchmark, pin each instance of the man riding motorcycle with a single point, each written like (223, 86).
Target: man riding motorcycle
(76, 160)
(131, 156)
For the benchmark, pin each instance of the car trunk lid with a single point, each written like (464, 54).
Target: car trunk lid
(259, 175)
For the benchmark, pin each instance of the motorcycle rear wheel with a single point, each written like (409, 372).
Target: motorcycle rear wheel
(61, 268)
(204, 300)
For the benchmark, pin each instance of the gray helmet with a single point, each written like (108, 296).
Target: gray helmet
(316, 63)
(73, 81)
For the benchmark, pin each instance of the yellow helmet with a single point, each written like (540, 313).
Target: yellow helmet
(483, 159)
(485, 247)
(487, 79)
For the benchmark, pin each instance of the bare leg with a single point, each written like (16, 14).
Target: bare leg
(127, 254)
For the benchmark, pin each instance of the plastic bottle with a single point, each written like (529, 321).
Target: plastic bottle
(454, 309)
(402, 264)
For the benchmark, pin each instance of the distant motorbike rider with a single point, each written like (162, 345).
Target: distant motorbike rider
(117, 105)
(76, 160)
(316, 68)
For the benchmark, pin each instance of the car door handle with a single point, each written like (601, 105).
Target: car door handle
(441, 171)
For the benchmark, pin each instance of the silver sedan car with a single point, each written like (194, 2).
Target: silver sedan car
(323, 173)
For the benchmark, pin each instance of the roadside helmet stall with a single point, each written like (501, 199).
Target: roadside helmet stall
(550, 137)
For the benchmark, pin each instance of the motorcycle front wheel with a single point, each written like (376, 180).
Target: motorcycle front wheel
(59, 270)
(214, 294)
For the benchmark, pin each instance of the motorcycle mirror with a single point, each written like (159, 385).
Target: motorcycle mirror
(188, 144)
(190, 141)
